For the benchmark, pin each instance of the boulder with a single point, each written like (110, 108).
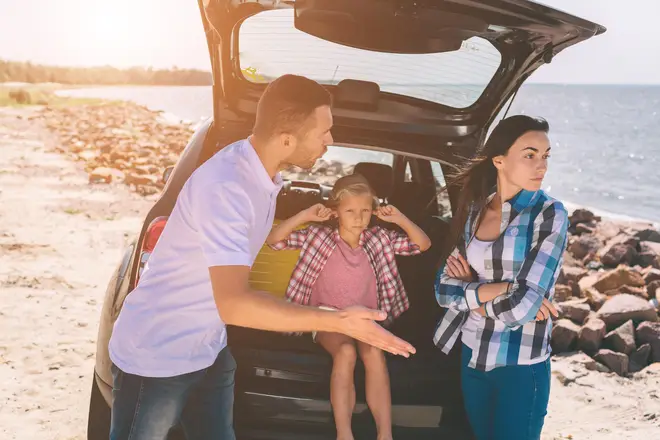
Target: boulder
(651, 276)
(617, 362)
(649, 235)
(575, 310)
(562, 293)
(591, 335)
(640, 358)
(574, 274)
(622, 339)
(637, 291)
(619, 254)
(648, 259)
(589, 281)
(621, 276)
(608, 230)
(650, 246)
(582, 216)
(652, 289)
(621, 308)
(649, 333)
(582, 228)
(583, 245)
(564, 336)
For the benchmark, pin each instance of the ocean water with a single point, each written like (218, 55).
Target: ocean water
(606, 139)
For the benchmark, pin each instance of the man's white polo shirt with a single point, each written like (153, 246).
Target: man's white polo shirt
(169, 325)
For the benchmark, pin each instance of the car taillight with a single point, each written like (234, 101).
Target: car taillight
(151, 237)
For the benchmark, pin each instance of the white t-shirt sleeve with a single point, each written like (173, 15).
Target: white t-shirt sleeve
(224, 216)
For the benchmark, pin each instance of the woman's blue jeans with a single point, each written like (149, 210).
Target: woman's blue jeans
(506, 403)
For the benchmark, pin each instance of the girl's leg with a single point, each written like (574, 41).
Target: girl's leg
(377, 388)
(478, 397)
(342, 386)
(522, 401)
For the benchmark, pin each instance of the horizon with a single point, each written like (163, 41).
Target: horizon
(94, 33)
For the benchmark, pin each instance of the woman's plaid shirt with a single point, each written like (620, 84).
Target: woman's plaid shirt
(529, 254)
(317, 242)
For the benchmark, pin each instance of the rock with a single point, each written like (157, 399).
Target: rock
(648, 259)
(570, 261)
(589, 281)
(581, 228)
(104, 175)
(650, 246)
(649, 333)
(562, 293)
(636, 291)
(608, 230)
(622, 340)
(581, 216)
(619, 254)
(594, 265)
(640, 358)
(648, 235)
(583, 245)
(575, 310)
(564, 336)
(618, 277)
(621, 308)
(591, 335)
(147, 190)
(134, 179)
(651, 275)
(617, 362)
(574, 274)
(652, 289)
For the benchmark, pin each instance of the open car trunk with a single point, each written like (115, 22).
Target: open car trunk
(282, 382)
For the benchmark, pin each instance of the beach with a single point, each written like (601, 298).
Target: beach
(66, 213)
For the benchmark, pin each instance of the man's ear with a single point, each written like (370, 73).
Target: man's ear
(498, 162)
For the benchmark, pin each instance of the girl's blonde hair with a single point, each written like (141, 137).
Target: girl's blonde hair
(353, 185)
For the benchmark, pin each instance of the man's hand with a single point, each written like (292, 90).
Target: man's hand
(241, 306)
(318, 213)
(458, 268)
(358, 323)
(546, 311)
(390, 214)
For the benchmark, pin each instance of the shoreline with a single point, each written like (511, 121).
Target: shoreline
(171, 118)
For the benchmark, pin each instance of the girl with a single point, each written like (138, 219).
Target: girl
(499, 281)
(351, 264)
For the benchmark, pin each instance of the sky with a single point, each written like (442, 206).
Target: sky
(166, 33)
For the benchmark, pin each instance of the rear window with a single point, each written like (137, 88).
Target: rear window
(335, 163)
(270, 46)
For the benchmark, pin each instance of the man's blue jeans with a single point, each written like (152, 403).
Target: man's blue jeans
(506, 403)
(147, 408)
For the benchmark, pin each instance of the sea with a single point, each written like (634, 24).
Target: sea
(606, 138)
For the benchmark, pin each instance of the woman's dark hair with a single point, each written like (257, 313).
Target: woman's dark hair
(478, 177)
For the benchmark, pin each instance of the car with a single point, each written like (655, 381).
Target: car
(416, 86)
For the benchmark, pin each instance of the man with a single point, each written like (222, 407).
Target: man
(169, 345)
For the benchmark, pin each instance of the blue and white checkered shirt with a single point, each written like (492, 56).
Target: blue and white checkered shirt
(528, 253)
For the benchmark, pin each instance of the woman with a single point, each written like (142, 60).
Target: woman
(499, 281)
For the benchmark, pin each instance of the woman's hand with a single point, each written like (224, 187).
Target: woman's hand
(546, 311)
(318, 213)
(458, 268)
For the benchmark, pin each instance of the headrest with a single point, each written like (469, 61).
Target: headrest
(379, 176)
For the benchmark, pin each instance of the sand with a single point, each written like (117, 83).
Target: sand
(60, 239)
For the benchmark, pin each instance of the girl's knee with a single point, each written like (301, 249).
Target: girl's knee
(371, 354)
(346, 353)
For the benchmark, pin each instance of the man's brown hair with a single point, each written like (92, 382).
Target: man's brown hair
(286, 104)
